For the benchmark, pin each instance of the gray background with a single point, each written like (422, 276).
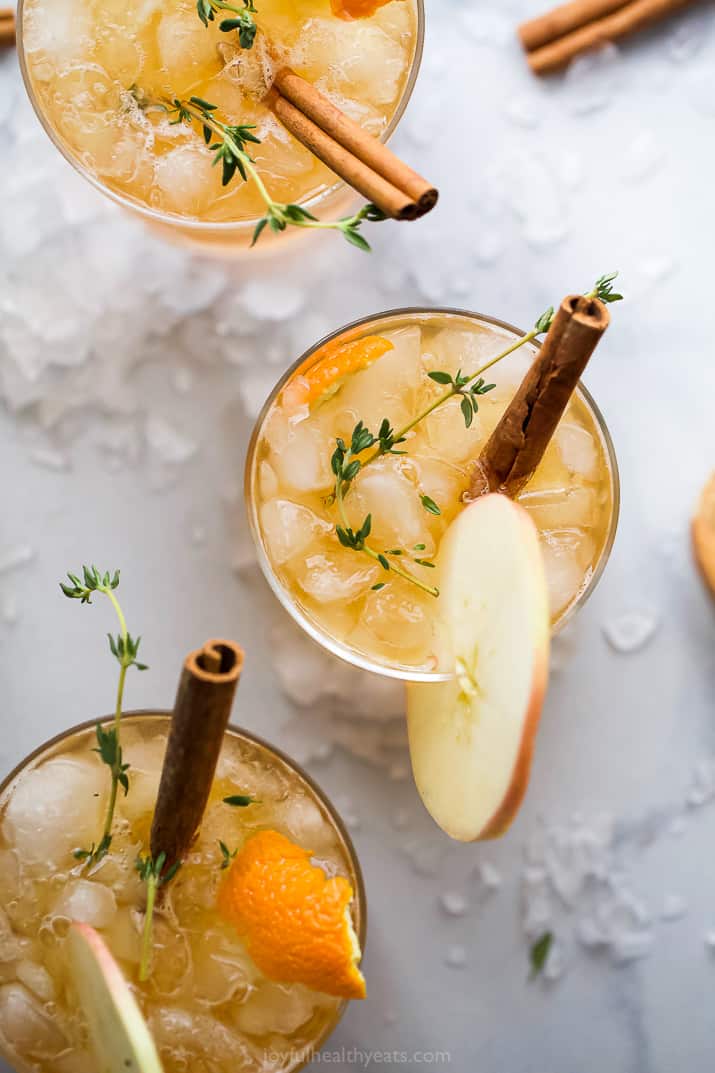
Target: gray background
(106, 336)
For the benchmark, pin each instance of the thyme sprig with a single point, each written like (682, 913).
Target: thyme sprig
(124, 648)
(230, 144)
(346, 463)
(346, 466)
(152, 873)
(227, 855)
(603, 289)
(242, 19)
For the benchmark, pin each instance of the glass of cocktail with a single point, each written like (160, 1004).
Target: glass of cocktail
(104, 79)
(379, 368)
(207, 1004)
(422, 523)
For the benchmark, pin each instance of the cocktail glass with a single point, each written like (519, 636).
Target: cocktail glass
(188, 222)
(207, 1005)
(573, 496)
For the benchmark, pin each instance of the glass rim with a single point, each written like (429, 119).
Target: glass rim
(321, 636)
(187, 222)
(253, 739)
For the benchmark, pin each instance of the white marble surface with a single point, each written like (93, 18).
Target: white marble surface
(544, 186)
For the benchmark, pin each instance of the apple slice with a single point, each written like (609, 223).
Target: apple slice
(122, 1042)
(472, 738)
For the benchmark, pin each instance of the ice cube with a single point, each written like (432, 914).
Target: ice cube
(465, 350)
(578, 449)
(60, 35)
(448, 436)
(124, 935)
(223, 971)
(564, 576)
(54, 809)
(10, 945)
(343, 575)
(398, 620)
(385, 491)
(289, 528)
(186, 180)
(9, 876)
(358, 58)
(303, 459)
(171, 963)
(306, 824)
(189, 1039)
(186, 53)
(36, 979)
(87, 903)
(631, 946)
(26, 1026)
(277, 1008)
(561, 508)
(387, 388)
(442, 482)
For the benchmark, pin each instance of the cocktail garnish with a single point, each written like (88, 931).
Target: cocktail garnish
(119, 1033)
(518, 443)
(242, 21)
(124, 648)
(230, 151)
(472, 737)
(347, 465)
(152, 873)
(295, 920)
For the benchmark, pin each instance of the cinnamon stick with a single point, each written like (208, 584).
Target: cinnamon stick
(359, 158)
(519, 441)
(626, 20)
(545, 29)
(365, 147)
(201, 712)
(7, 27)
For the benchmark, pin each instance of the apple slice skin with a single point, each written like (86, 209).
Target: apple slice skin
(120, 1035)
(516, 527)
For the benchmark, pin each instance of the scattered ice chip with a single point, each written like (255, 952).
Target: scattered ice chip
(593, 80)
(272, 300)
(401, 819)
(632, 631)
(642, 158)
(674, 908)
(15, 557)
(9, 610)
(702, 788)
(456, 957)
(709, 940)
(49, 458)
(182, 380)
(555, 966)
(631, 947)
(168, 444)
(488, 878)
(453, 903)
